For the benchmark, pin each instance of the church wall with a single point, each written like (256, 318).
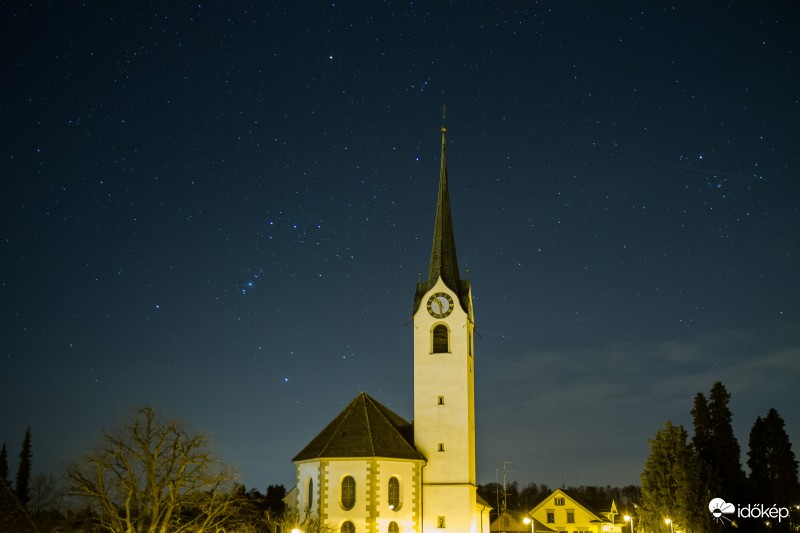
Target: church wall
(407, 514)
(455, 505)
(371, 512)
(308, 477)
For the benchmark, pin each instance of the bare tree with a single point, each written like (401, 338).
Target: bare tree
(44, 494)
(152, 476)
(289, 521)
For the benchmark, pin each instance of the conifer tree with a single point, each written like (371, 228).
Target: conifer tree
(671, 486)
(4, 463)
(773, 467)
(703, 438)
(716, 447)
(703, 448)
(24, 470)
(726, 453)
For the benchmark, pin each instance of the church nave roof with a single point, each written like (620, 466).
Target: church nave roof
(365, 428)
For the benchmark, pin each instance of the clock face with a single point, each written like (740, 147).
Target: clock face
(440, 305)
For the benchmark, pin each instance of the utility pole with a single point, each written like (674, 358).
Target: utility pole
(497, 491)
(505, 472)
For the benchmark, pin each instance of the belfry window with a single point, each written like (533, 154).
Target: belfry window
(348, 493)
(441, 339)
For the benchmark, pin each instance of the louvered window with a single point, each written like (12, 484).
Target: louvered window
(441, 339)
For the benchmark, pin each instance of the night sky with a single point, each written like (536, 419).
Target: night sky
(221, 210)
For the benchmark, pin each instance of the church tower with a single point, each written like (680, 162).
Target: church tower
(444, 413)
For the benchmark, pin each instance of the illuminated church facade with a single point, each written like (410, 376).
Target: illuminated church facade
(371, 471)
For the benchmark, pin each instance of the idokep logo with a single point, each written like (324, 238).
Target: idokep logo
(719, 507)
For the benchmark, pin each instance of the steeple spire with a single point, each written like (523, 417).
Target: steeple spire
(443, 262)
(443, 253)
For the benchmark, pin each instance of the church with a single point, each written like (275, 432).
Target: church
(371, 471)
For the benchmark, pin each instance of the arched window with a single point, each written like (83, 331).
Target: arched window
(348, 527)
(348, 493)
(441, 339)
(310, 494)
(393, 527)
(394, 494)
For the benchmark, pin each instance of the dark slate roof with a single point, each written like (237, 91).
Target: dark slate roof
(444, 263)
(364, 429)
(598, 507)
(13, 516)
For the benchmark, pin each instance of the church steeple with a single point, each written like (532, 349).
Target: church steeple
(443, 254)
(444, 382)
(444, 263)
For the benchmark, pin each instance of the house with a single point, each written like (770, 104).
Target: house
(371, 471)
(517, 522)
(562, 511)
(14, 518)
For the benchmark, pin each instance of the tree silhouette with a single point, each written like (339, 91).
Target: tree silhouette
(773, 467)
(24, 470)
(152, 475)
(726, 453)
(4, 463)
(670, 484)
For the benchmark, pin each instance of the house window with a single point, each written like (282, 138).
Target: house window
(393, 527)
(440, 522)
(551, 517)
(348, 493)
(348, 527)
(394, 493)
(441, 339)
(441, 446)
(570, 517)
(559, 501)
(441, 400)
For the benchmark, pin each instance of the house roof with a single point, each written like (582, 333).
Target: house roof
(600, 507)
(13, 516)
(517, 523)
(365, 428)
(599, 516)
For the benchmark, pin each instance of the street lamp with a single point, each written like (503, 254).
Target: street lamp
(528, 520)
(629, 519)
(668, 521)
